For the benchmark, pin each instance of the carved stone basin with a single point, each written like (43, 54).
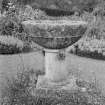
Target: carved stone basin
(52, 34)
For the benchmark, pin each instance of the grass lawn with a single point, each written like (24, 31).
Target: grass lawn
(11, 64)
(86, 68)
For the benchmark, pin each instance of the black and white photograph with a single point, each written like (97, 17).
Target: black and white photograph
(52, 52)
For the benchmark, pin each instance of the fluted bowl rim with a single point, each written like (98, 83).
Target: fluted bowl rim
(55, 22)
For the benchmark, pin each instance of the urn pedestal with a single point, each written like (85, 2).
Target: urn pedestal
(54, 35)
(55, 68)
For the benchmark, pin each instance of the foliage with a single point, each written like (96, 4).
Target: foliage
(9, 26)
(28, 13)
(93, 43)
(5, 4)
(62, 4)
(9, 40)
(18, 90)
(57, 30)
(61, 55)
(92, 48)
(19, 93)
(25, 2)
(11, 30)
(21, 90)
(12, 45)
(9, 45)
(39, 14)
(10, 23)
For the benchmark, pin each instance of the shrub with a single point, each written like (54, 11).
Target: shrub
(29, 13)
(5, 4)
(10, 25)
(9, 45)
(10, 40)
(26, 13)
(14, 45)
(90, 47)
(92, 44)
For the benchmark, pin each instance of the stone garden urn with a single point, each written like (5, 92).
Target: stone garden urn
(53, 36)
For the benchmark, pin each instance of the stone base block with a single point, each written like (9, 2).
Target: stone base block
(68, 84)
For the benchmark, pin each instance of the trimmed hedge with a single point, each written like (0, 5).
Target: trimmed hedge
(88, 54)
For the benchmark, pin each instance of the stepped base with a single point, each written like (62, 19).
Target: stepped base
(68, 84)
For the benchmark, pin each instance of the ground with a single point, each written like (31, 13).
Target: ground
(85, 68)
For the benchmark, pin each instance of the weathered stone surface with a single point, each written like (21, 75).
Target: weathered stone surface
(56, 34)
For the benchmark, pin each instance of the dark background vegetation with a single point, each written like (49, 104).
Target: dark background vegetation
(60, 4)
